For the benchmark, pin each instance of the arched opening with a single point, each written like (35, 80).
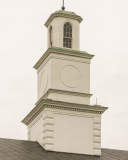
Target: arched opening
(67, 35)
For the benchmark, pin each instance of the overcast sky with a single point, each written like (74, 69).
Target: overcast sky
(23, 40)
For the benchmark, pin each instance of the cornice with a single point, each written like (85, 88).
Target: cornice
(62, 51)
(65, 15)
(48, 103)
(63, 92)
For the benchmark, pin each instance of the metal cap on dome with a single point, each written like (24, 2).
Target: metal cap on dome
(63, 8)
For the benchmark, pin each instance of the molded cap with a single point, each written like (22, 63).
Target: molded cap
(62, 13)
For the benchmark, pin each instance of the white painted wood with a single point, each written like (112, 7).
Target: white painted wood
(73, 134)
(65, 74)
(65, 130)
(57, 32)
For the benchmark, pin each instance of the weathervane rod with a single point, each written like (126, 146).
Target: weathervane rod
(63, 8)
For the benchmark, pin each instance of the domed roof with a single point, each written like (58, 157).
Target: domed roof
(65, 14)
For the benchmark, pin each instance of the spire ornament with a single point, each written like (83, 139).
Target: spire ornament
(63, 8)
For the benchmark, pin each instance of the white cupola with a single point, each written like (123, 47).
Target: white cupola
(63, 29)
(63, 119)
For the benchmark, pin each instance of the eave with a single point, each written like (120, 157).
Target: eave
(54, 15)
(62, 51)
(50, 90)
(48, 103)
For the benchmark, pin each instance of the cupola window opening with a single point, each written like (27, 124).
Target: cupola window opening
(50, 37)
(67, 35)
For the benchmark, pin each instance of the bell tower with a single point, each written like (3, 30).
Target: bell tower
(63, 119)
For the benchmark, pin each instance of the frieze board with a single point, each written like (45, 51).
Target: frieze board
(62, 51)
(62, 57)
(61, 105)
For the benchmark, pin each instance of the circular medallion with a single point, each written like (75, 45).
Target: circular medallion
(43, 81)
(70, 76)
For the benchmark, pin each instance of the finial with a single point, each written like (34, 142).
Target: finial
(63, 8)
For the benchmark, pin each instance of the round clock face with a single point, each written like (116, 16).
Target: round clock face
(44, 81)
(70, 76)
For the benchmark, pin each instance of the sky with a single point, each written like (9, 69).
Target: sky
(23, 40)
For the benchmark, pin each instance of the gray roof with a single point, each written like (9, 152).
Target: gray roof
(27, 150)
